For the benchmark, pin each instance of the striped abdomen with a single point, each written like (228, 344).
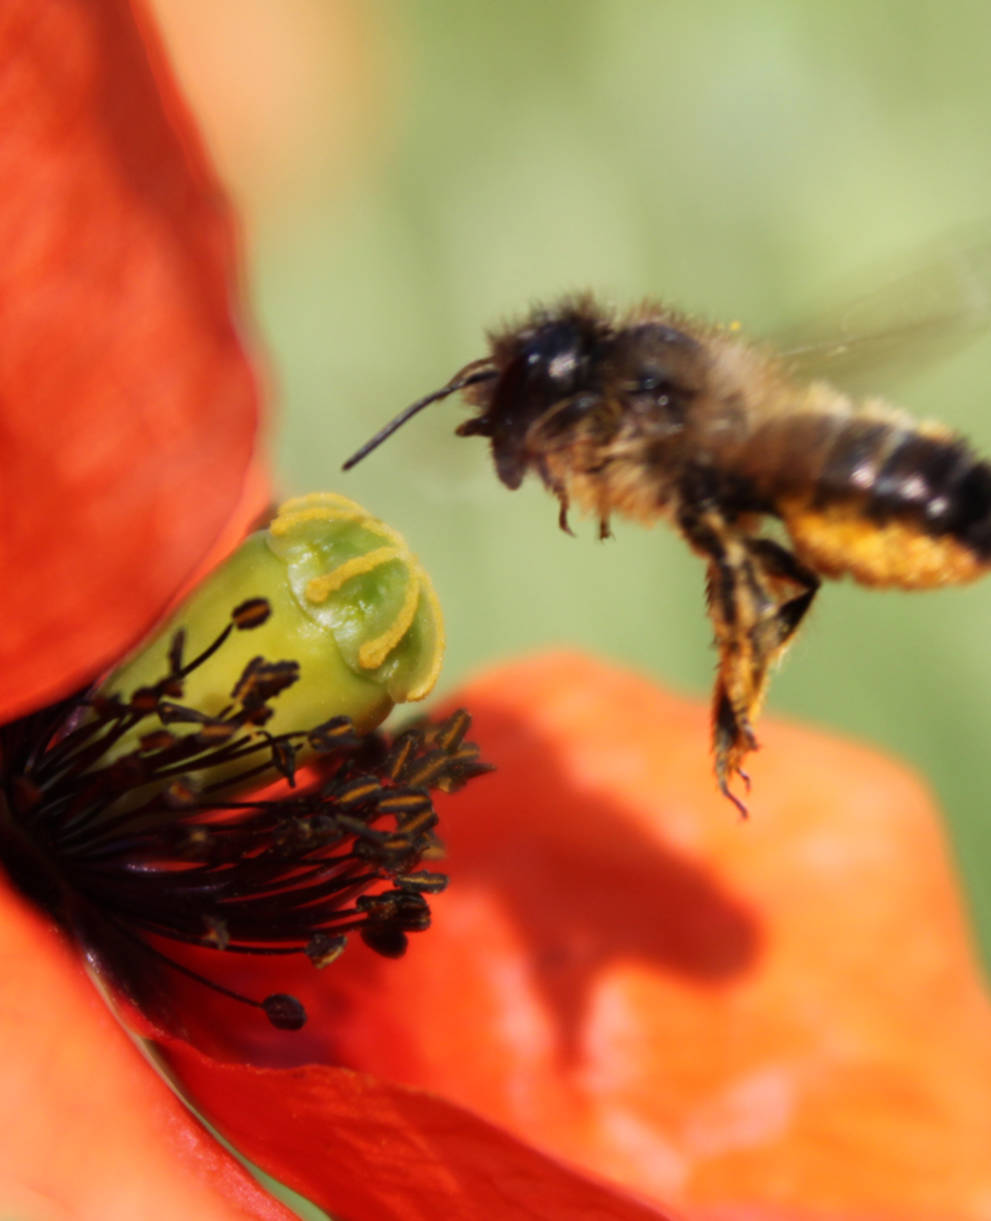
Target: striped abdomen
(875, 495)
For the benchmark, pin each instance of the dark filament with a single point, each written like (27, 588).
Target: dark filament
(150, 845)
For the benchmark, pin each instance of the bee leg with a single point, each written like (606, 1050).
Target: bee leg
(557, 488)
(725, 744)
(770, 618)
(779, 567)
(738, 601)
(604, 528)
(563, 523)
(755, 610)
(562, 516)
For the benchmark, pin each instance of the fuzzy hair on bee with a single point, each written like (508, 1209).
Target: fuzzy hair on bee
(653, 416)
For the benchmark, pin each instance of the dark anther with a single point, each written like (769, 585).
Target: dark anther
(263, 680)
(284, 1011)
(426, 883)
(451, 734)
(106, 707)
(251, 614)
(170, 713)
(214, 733)
(145, 699)
(428, 769)
(401, 754)
(158, 739)
(336, 732)
(355, 824)
(284, 760)
(358, 791)
(385, 939)
(257, 714)
(409, 805)
(323, 950)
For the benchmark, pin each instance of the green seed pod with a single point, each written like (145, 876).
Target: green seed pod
(348, 605)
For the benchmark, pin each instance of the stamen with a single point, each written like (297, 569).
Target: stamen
(282, 1010)
(137, 810)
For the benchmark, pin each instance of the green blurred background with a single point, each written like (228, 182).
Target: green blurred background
(412, 173)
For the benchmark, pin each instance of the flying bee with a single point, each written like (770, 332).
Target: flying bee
(652, 415)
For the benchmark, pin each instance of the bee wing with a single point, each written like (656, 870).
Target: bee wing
(914, 317)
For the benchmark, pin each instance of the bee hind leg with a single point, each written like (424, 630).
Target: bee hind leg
(770, 612)
(780, 569)
(736, 602)
(755, 610)
(731, 741)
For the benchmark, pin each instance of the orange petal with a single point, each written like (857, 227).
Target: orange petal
(127, 408)
(90, 1132)
(369, 1150)
(778, 1017)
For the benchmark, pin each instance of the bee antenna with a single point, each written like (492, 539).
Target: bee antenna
(460, 381)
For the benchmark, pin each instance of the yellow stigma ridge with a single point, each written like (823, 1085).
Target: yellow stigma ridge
(331, 506)
(373, 652)
(287, 521)
(424, 688)
(319, 589)
(327, 500)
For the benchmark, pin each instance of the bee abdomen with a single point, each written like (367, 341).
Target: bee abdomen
(896, 504)
(939, 482)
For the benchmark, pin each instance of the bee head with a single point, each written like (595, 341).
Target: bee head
(532, 370)
(549, 361)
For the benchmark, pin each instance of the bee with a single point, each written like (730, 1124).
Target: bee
(654, 416)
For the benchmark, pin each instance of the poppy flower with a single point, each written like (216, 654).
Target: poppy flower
(779, 1018)
(629, 1002)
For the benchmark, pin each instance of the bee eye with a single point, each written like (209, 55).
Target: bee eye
(659, 388)
(563, 366)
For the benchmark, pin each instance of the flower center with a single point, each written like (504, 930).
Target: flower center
(142, 821)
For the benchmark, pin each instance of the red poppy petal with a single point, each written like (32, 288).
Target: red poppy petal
(90, 1131)
(372, 1151)
(127, 407)
(780, 1014)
